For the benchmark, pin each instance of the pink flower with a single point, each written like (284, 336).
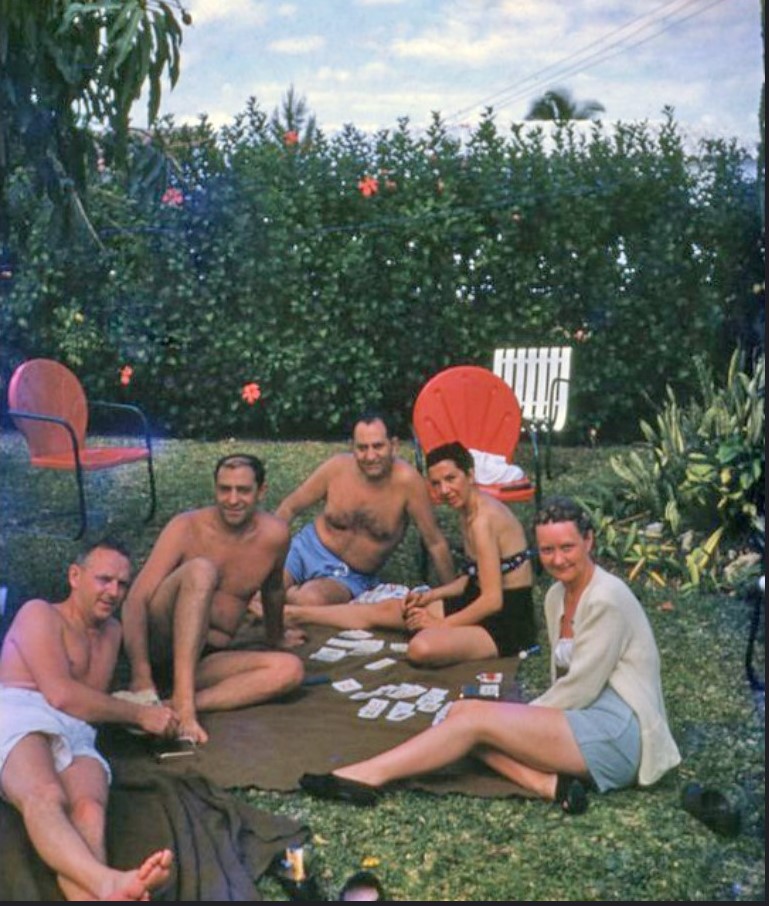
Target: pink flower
(250, 393)
(368, 186)
(126, 373)
(173, 197)
(290, 138)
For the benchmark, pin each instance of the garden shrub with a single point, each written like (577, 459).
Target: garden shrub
(279, 283)
(689, 502)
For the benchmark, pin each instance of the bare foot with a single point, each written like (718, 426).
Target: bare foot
(189, 728)
(255, 608)
(152, 874)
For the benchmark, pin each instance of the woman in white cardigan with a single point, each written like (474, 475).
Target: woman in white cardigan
(602, 722)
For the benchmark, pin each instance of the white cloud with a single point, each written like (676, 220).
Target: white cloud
(299, 45)
(330, 74)
(240, 12)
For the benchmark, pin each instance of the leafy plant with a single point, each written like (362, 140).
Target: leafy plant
(697, 488)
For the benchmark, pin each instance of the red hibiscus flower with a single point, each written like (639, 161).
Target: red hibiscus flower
(126, 373)
(250, 393)
(290, 138)
(172, 197)
(368, 186)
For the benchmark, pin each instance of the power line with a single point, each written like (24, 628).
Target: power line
(556, 71)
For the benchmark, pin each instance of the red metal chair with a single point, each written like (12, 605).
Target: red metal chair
(472, 405)
(49, 407)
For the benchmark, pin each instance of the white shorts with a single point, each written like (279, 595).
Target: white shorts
(25, 711)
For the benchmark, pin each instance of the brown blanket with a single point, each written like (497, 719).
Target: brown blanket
(222, 846)
(317, 728)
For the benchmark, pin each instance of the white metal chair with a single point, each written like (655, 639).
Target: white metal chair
(539, 377)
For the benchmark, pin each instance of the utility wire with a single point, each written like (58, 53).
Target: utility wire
(554, 71)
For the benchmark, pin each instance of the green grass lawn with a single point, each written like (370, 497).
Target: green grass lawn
(632, 845)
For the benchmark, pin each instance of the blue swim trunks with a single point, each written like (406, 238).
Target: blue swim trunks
(309, 559)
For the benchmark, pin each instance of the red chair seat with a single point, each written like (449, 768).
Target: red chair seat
(49, 407)
(92, 458)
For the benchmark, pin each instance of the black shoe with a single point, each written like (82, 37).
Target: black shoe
(362, 880)
(571, 794)
(712, 808)
(330, 786)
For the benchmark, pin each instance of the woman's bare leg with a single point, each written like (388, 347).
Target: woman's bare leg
(538, 739)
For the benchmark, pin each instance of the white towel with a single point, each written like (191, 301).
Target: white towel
(493, 468)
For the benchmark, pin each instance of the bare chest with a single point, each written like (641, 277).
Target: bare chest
(242, 565)
(375, 515)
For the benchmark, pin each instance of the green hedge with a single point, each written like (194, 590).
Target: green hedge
(341, 273)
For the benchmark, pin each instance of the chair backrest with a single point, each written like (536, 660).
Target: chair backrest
(469, 404)
(45, 387)
(540, 380)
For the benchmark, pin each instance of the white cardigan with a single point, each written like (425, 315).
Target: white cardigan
(614, 644)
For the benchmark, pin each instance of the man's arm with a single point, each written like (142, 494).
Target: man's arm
(310, 491)
(37, 636)
(165, 556)
(421, 511)
(273, 602)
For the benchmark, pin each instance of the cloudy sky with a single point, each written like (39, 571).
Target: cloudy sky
(371, 62)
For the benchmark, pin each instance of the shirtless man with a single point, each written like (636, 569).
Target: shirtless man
(56, 664)
(369, 495)
(183, 610)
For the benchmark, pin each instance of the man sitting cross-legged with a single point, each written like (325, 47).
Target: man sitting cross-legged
(184, 609)
(56, 665)
(368, 497)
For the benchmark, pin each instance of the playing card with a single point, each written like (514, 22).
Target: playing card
(355, 634)
(347, 685)
(381, 664)
(329, 654)
(441, 715)
(401, 711)
(407, 690)
(373, 708)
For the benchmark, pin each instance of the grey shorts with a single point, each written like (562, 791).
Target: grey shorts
(609, 737)
(308, 558)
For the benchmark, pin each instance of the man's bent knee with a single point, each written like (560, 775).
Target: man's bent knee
(200, 571)
(420, 651)
(288, 670)
(87, 811)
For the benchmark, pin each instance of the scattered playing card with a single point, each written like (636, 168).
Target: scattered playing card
(347, 685)
(432, 700)
(407, 690)
(367, 646)
(326, 653)
(351, 644)
(401, 711)
(381, 664)
(373, 693)
(355, 634)
(373, 708)
(399, 647)
(441, 715)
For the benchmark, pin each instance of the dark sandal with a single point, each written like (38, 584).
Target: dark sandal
(712, 808)
(571, 794)
(330, 786)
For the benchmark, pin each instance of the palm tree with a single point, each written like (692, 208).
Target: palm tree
(558, 104)
(293, 123)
